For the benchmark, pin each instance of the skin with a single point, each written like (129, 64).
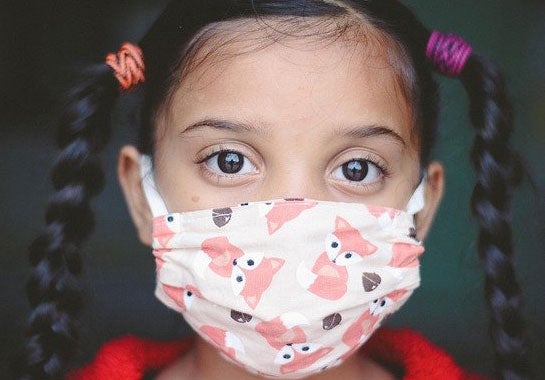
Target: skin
(305, 113)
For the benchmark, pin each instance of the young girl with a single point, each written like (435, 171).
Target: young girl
(284, 180)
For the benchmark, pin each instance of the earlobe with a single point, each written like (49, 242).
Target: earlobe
(435, 184)
(128, 172)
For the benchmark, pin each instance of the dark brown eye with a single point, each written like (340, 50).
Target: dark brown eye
(355, 170)
(359, 171)
(230, 162)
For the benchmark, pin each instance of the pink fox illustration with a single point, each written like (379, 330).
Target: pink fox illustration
(226, 341)
(384, 215)
(159, 261)
(294, 352)
(331, 279)
(283, 330)
(329, 276)
(285, 211)
(364, 326)
(380, 211)
(299, 356)
(222, 253)
(164, 229)
(251, 274)
(183, 296)
(405, 255)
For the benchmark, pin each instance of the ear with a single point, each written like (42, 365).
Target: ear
(435, 184)
(341, 224)
(128, 173)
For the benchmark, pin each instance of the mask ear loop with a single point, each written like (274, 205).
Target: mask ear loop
(155, 201)
(417, 201)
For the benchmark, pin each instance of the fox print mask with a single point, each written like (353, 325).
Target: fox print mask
(285, 288)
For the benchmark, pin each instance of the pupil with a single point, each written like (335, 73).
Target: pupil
(239, 278)
(230, 162)
(170, 219)
(355, 170)
(348, 255)
(383, 303)
(250, 262)
(306, 348)
(189, 294)
(286, 356)
(334, 244)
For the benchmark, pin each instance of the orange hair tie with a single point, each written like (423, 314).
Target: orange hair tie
(128, 65)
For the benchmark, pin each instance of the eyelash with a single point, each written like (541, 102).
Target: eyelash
(381, 166)
(218, 150)
(371, 159)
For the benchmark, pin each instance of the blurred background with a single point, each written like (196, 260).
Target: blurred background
(44, 43)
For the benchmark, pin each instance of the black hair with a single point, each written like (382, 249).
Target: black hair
(53, 290)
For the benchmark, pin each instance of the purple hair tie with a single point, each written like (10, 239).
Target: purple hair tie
(448, 53)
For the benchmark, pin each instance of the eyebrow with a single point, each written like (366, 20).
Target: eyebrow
(234, 126)
(366, 131)
(359, 132)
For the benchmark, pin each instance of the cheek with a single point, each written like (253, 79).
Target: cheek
(185, 193)
(401, 189)
(188, 192)
(400, 186)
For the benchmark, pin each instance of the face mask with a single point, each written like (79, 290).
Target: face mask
(285, 288)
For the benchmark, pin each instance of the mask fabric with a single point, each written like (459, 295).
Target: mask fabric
(288, 287)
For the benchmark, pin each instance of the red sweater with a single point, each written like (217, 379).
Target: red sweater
(402, 350)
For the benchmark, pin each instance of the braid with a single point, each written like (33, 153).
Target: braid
(498, 171)
(53, 290)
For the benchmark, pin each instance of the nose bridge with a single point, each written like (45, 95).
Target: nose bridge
(296, 180)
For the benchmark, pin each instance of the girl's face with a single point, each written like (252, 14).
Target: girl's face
(324, 122)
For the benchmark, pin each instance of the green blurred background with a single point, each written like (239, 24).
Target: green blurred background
(44, 43)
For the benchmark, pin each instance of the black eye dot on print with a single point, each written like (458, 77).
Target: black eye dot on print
(250, 262)
(239, 279)
(334, 244)
(170, 219)
(189, 294)
(235, 262)
(347, 255)
(305, 348)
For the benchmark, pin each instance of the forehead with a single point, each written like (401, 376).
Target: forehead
(314, 83)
